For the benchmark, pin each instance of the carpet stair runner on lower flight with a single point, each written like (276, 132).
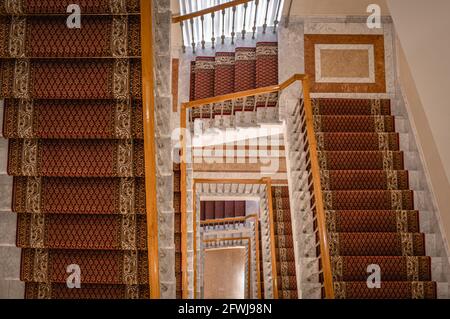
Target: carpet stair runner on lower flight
(73, 116)
(369, 207)
(222, 209)
(284, 244)
(261, 266)
(227, 72)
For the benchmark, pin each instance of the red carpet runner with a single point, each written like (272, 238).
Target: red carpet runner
(284, 244)
(227, 72)
(369, 207)
(222, 209)
(73, 116)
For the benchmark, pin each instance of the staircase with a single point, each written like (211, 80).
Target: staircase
(221, 209)
(248, 65)
(285, 256)
(74, 119)
(370, 208)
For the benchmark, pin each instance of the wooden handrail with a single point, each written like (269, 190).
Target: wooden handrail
(148, 104)
(179, 18)
(227, 220)
(315, 168)
(272, 239)
(229, 181)
(320, 211)
(242, 94)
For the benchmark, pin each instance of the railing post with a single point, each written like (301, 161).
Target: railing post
(320, 212)
(148, 103)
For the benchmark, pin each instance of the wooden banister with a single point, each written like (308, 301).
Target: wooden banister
(320, 211)
(148, 104)
(227, 220)
(229, 181)
(220, 7)
(243, 94)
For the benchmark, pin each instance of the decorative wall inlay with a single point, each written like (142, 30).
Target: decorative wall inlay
(339, 47)
(343, 63)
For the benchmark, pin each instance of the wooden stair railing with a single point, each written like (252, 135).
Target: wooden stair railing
(313, 170)
(148, 105)
(225, 15)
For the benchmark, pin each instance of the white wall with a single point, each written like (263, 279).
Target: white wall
(333, 7)
(423, 28)
(424, 69)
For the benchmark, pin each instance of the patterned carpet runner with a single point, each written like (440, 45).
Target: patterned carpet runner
(369, 208)
(73, 117)
(227, 72)
(284, 244)
(222, 209)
